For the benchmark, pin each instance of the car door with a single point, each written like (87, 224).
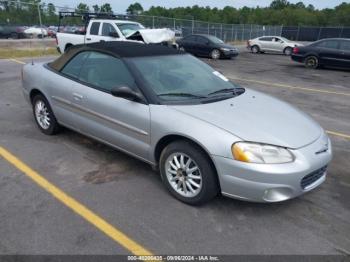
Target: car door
(61, 90)
(329, 52)
(108, 32)
(277, 44)
(265, 43)
(188, 43)
(92, 35)
(344, 56)
(117, 121)
(202, 46)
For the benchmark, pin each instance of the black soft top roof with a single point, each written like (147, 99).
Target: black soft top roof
(122, 49)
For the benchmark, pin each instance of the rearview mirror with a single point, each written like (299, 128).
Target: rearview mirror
(113, 34)
(127, 93)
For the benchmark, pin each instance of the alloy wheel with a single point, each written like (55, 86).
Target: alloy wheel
(42, 114)
(215, 54)
(183, 174)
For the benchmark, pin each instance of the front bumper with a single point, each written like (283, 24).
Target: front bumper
(274, 182)
(230, 54)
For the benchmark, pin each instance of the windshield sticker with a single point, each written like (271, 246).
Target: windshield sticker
(218, 74)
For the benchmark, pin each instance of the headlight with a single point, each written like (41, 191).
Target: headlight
(225, 49)
(260, 153)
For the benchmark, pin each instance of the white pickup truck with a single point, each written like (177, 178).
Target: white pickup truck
(115, 30)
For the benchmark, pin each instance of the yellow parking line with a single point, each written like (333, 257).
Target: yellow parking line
(291, 87)
(338, 134)
(77, 207)
(17, 61)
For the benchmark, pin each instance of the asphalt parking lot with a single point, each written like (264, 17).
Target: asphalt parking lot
(127, 195)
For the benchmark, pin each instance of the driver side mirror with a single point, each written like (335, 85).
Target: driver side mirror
(113, 34)
(126, 93)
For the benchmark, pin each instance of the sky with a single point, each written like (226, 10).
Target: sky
(120, 6)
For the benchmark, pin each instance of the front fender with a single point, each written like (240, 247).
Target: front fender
(166, 121)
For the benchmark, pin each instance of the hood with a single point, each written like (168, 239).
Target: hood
(257, 117)
(228, 46)
(295, 44)
(153, 36)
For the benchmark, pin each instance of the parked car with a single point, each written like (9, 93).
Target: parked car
(207, 46)
(36, 32)
(334, 52)
(205, 134)
(113, 30)
(13, 32)
(276, 44)
(52, 31)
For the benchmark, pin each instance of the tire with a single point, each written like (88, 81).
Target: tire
(67, 47)
(312, 62)
(288, 51)
(201, 184)
(215, 54)
(44, 117)
(255, 49)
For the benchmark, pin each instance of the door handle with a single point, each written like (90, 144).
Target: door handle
(77, 97)
(88, 39)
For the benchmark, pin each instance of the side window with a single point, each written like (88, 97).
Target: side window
(345, 45)
(107, 28)
(191, 38)
(332, 44)
(202, 40)
(105, 72)
(268, 39)
(95, 26)
(73, 67)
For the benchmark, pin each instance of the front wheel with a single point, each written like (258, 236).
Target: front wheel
(215, 54)
(44, 116)
(187, 173)
(288, 51)
(312, 62)
(255, 49)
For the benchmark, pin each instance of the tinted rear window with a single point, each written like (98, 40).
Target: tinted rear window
(265, 38)
(345, 45)
(94, 28)
(73, 67)
(332, 44)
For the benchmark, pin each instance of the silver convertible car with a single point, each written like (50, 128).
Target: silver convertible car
(204, 133)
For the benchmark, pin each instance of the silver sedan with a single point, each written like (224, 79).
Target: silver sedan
(204, 133)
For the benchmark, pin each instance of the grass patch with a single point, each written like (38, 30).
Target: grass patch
(15, 53)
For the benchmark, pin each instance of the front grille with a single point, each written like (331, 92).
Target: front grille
(312, 177)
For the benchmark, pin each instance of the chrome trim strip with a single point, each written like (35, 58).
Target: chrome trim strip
(103, 117)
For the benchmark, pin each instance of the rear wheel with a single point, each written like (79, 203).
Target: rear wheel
(67, 47)
(187, 173)
(215, 54)
(255, 49)
(288, 51)
(312, 62)
(44, 116)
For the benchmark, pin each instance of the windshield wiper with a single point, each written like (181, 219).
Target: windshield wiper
(182, 94)
(236, 91)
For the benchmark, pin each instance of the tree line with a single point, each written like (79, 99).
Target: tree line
(279, 12)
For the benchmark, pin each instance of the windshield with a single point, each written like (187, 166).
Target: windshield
(215, 39)
(284, 39)
(183, 78)
(128, 29)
